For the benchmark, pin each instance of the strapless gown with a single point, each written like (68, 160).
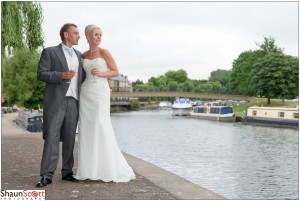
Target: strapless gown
(99, 157)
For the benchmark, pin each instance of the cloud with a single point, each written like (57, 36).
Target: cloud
(149, 38)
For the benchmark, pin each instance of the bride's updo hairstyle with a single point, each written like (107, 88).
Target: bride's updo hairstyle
(90, 30)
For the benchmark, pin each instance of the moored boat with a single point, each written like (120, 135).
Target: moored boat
(31, 120)
(217, 113)
(181, 107)
(164, 105)
(273, 116)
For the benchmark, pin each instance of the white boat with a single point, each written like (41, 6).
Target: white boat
(181, 107)
(274, 116)
(164, 105)
(217, 113)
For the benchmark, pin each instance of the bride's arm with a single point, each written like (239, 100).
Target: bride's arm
(111, 64)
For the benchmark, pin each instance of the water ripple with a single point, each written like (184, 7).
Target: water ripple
(235, 160)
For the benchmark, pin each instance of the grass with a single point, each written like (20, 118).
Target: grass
(238, 110)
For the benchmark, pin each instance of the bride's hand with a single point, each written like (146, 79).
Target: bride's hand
(95, 71)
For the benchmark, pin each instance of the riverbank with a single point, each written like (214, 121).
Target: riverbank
(239, 110)
(21, 156)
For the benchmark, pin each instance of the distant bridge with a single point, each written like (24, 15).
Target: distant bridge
(182, 94)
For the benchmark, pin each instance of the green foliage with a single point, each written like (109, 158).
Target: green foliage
(178, 81)
(173, 86)
(188, 86)
(20, 84)
(162, 84)
(159, 83)
(139, 87)
(269, 46)
(264, 72)
(240, 76)
(179, 76)
(221, 76)
(21, 25)
(276, 76)
(135, 105)
(137, 82)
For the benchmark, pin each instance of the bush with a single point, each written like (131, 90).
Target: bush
(135, 105)
(19, 83)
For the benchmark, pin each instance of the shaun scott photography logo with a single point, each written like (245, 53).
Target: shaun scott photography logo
(22, 195)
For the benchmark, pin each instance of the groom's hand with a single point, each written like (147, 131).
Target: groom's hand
(67, 75)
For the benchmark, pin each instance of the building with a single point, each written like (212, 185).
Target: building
(120, 84)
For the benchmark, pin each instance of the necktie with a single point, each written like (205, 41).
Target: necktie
(70, 51)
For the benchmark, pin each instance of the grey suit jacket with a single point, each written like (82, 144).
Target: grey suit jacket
(51, 66)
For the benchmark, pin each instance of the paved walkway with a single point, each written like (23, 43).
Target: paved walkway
(21, 157)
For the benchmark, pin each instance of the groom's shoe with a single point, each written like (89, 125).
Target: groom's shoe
(69, 177)
(43, 182)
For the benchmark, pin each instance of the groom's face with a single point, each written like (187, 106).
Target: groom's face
(72, 35)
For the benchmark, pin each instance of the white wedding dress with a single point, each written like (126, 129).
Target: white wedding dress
(99, 157)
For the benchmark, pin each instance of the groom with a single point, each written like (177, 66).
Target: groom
(60, 68)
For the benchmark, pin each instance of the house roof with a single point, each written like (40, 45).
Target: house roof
(120, 77)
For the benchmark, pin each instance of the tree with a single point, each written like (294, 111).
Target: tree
(21, 25)
(239, 78)
(173, 86)
(208, 87)
(269, 46)
(212, 87)
(188, 86)
(139, 88)
(20, 83)
(137, 82)
(239, 82)
(179, 76)
(220, 75)
(153, 80)
(276, 76)
(162, 83)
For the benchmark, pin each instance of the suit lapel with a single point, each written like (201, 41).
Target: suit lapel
(61, 57)
(80, 69)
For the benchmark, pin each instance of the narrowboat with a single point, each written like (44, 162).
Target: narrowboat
(32, 121)
(216, 113)
(181, 107)
(273, 116)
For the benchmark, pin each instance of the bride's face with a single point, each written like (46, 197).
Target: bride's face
(96, 37)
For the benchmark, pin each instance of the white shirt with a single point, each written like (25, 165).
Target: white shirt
(73, 64)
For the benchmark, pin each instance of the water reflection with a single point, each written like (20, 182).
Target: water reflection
(235, 160)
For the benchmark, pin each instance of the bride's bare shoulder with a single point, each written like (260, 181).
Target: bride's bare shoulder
(104, 52)
(84, 55)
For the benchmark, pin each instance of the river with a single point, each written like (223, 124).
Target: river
(234, 160)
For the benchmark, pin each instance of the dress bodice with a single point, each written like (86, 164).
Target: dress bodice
(99, 63)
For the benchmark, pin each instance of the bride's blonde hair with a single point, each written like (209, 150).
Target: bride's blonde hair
(90, 30)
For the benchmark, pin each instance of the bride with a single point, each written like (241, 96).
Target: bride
(99, 157)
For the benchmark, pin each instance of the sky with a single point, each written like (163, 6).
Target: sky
(147, 39)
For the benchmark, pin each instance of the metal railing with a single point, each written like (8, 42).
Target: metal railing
(181, 94)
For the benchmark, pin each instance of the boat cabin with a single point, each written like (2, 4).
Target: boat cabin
(273, 112)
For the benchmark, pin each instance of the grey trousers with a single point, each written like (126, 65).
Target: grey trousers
(64, 129)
